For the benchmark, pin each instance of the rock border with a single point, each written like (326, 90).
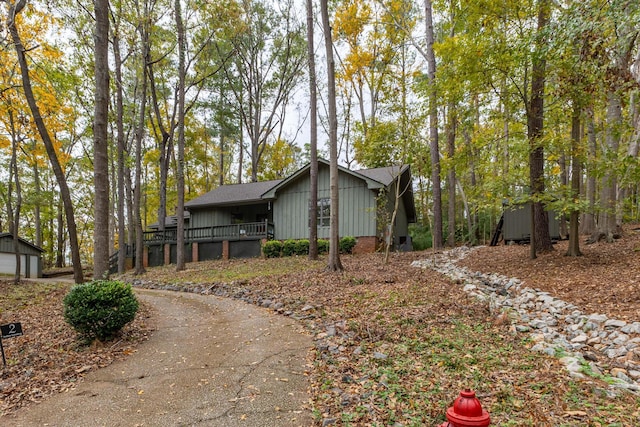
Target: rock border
(587, 344)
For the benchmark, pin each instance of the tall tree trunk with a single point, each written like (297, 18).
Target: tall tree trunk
(240, 151)
(433, 130)
(221, 163)
(588, 223)
(334, 239)
(14, 10)
(14, 214)
(564, 182)
(313, 138)
(166, 144)
(607, 225)
(131, 218)
(60, 246)
(451, 176)
(540, 239)
(139, 134)
(576, 172)
(180, 256)
(37, 214)
(100, 142)
(122, 242)
(472, 217)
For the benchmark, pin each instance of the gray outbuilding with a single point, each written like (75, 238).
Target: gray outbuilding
(30, 257)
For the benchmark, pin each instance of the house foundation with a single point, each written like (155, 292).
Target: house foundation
(365, 245)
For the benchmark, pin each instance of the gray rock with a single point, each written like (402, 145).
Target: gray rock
(612, 353)
(614, 323)
(598, 318)
(580, 339)
(621, 339)
(632, 328)
(538, 324)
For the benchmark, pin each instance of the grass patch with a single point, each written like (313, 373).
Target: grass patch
(233, 270)
(27, 294)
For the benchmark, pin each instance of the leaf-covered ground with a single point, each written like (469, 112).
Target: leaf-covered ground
(49, 357)
(605, 279)
(406, 340)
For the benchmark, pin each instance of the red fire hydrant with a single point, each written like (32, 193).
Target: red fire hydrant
(467, 412)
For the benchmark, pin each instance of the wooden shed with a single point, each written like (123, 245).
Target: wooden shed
(517, 224)
(30, 257)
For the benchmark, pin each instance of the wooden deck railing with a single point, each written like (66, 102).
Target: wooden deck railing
(249, 231)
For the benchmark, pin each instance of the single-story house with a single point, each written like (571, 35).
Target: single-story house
(231, 221)
(30, 257)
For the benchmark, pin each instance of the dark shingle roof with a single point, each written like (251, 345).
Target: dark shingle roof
(171, 221)
(233, 194)
(21, 240)
(384, 175)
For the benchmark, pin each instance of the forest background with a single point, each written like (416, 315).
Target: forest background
(488, 101)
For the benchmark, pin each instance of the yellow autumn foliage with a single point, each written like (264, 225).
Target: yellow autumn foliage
(36, 28)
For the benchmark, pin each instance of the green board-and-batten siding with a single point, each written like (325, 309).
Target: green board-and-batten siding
(208, 217)
(357, 207)
(224, 215)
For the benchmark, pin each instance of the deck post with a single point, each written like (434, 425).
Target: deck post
(167, 253)
(194, 252)
(145, 257)
(225, 249)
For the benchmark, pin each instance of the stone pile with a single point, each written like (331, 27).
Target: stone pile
(587, 344)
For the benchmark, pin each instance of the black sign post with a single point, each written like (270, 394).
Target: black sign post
(9, 330)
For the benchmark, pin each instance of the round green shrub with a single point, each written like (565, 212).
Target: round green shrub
(302, 247)
(347, 244)
(288, 247)
(323, 246)
(100, 309)
(272, 249)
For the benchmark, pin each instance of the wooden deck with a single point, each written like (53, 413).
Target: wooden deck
(230, 232)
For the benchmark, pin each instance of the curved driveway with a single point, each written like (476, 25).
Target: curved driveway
(211, 362)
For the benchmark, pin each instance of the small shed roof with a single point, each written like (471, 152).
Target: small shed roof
(6, 245)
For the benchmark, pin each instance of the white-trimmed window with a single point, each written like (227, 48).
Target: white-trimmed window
(323, 212)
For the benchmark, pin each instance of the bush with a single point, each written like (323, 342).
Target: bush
(288, 247)
(323, 246)
(100, 309)
(302, 247)
(272, 249)
(420, 237)
(347, 244)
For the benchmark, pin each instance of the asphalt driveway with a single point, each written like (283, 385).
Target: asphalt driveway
(211, 362)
